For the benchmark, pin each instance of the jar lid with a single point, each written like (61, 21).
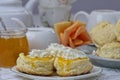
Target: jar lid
(13, 32)
(55, 3)
(16, 27)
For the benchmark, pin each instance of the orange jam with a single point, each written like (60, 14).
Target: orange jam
(10, 47)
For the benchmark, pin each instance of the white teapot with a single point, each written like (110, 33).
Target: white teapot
(97, 16)
(14, 8)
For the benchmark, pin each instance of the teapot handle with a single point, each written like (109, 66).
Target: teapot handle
(31, 5)
(82, 15)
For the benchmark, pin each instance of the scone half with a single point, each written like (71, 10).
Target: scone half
(35, 65)
(70, 62)
(72, 67)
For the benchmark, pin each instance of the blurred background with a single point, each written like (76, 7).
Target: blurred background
(89, 5)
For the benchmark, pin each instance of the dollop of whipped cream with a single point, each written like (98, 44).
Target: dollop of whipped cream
(40, 53)
(65, 52)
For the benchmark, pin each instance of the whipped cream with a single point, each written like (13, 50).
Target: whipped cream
(58, 50)
(40, 53)
(66, 52)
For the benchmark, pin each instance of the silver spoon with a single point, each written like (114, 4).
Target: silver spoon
(3, 25)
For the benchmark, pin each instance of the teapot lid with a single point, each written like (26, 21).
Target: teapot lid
(10, 3)
(55, 3)
(10, 6)
(11, 9)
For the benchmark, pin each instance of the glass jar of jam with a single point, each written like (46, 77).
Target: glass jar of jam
(13, 41)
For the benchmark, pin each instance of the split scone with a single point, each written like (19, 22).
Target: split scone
(103, 33)
(69, 62)
(39, 62)
(109, 50)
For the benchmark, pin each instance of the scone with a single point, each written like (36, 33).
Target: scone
(117, 30)
(69, 62)
(109, 50)
(103, 33)
(39, 62)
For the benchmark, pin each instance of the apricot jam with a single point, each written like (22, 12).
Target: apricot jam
(11, 44)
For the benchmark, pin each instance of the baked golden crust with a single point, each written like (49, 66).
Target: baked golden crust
(35, 66)
(103, 33)
(117, 30)
(63, 67)
(72, 67)
(110, 50)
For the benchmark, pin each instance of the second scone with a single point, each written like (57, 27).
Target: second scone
(109, 50)
(70, 62)
(103, 33)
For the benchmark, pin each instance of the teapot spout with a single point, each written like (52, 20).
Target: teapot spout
(31, 5)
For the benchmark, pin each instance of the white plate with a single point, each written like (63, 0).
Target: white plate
(95, 72)
(105, 62)
(88, 49)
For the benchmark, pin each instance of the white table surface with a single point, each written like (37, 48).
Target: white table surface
(107, 73)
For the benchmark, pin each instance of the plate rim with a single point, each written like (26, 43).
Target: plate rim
(102, 58)
(96, 73)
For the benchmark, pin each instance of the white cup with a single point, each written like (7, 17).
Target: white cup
(40, 38)
(97, 16)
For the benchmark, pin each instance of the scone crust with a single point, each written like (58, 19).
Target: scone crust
(117, 30)
(77, 67)
(36, 67)
(102, 33)
(109, 50)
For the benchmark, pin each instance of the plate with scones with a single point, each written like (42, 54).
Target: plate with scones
(55, 62)
(106, 37)
(105, 62)
(107, 56)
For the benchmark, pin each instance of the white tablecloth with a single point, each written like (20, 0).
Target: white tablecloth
(107, 74)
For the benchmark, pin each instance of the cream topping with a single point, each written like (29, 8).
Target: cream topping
(40, 53)
(65, 52)
(58, 50)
